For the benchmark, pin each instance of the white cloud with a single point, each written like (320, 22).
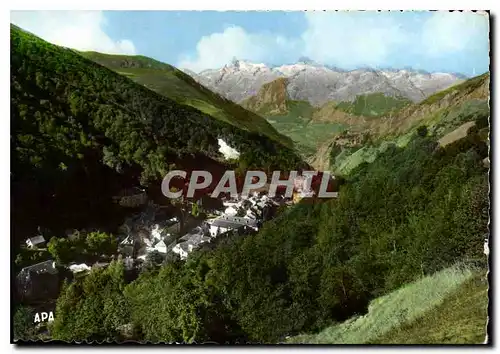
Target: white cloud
(343, 38)
(218, 49)
(448, 32)
(350, 39)
(81, 30)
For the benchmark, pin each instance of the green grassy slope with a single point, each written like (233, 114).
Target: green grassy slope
(440, 114)
(309, 127)
(374, 105)
(448, 307)
(466, 86)
(459, 319)
(175, 84)
(298, 125)
(294, 119)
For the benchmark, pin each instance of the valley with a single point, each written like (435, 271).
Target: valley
(398, 256)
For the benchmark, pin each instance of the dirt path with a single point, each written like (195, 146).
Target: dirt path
(457, 134)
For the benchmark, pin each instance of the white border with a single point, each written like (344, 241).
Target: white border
(223, 5)
(189, 5)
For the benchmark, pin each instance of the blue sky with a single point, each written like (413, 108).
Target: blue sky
(432, 41)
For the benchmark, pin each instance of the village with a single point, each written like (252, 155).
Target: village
(155, 236)
(144, 234)
(151, 235)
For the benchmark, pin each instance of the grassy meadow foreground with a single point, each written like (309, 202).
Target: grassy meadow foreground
(449, 307)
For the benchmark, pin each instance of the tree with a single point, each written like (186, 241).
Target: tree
(110, 159)
(60, 249)
(23, 323)
(153, 261)
(195, 210)
(101, 243)
(482, 121)
(93, 307)
(172, 257)
(422, 131)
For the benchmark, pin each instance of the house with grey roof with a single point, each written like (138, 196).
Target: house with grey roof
(184, 248)
(38, 281)
(240, 220)
(196, 231)
(37, 241)
(161, 247)
(261, 204)
(128, 241)
(220, 226)
(198, 239)
(231, 210)
(127, 246)
(157, 232)
(226, 223)
(42, 267)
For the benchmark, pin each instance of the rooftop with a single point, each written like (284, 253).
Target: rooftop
(43, 267)
(160, 244)
(186, 246)
(129, 240)
(227, 224)
(237, 219)
(37, 239)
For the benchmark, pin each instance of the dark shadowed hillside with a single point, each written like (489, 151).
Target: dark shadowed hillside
(80, 132)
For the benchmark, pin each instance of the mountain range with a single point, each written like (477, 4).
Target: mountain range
(318, 83)
(409, 222)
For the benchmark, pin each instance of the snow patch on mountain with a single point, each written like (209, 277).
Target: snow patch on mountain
(227, 151)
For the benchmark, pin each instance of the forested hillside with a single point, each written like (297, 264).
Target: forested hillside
(182, 88)
(412, 212)
(80, 132)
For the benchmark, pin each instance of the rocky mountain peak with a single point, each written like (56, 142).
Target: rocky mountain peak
(316, 83)
(306, 60)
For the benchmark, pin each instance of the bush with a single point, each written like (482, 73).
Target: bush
(422, 131)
